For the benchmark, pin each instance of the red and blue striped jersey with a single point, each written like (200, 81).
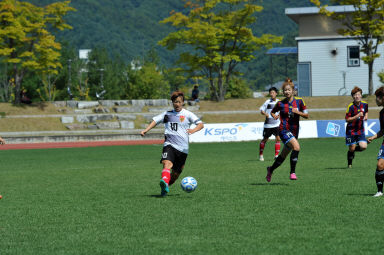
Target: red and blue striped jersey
(356, 127)
(381, 118)
(288, 120)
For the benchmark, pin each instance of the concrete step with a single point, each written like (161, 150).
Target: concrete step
(80, 135)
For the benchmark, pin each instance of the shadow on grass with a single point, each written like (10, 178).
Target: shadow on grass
(160, 196)
(40, 105)
(360, 195)
(268, 184)
(256, 160)
(336, 168)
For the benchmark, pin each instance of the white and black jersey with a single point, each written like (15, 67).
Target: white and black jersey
(267, 107)
(176, 125)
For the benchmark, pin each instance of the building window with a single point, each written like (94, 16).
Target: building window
(353, 56)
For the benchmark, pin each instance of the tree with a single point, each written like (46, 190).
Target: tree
(105, 75)
(26, 42)
(366, 24)
(218, 38)
(146, 82)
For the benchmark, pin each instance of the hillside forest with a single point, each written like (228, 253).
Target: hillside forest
(125, 56)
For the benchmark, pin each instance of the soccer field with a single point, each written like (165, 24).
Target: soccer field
(105, 200)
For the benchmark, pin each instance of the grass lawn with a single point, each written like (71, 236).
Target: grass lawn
(105, 200)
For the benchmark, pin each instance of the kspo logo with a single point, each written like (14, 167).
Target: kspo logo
(221, 131)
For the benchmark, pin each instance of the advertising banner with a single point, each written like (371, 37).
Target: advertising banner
(250, 131)
(229, 132)
(336, 128)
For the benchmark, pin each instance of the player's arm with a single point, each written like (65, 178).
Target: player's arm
(149, 127)
(350, 118)
(303, 112)
(263, 108)
(378, 135)
(264, 113)
(366, 116)
(274, 111)
(2, 141)
(198, 127)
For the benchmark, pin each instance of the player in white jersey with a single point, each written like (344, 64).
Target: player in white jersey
(271, 126)
(177, 130)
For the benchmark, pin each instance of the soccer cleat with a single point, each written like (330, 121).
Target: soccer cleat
(293, 176)
(261, 158)
(378, 194)
(349, 166)
(269, 175)
(164, 188)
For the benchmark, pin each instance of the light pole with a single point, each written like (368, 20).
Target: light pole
(101, 94)
(69, 80)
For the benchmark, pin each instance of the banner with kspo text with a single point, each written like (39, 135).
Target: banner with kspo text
(250, 131)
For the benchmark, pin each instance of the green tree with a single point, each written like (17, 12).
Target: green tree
(218, 37)
(238, 88)
(5, 82)
(366, 24)
(146, 82)
(106, 75)
(175, 78)
(26, 42)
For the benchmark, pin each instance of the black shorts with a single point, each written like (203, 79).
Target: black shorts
(178, 158)
(267, 132)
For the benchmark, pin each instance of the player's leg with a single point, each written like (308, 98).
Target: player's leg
(165, 177)
(277, 142)
(351, 143)
(175, 175)
(351, 154)
(166, 172)
(379, 174)
(262, 144)
(178, 166)
(278, 161)
(285, 136)
(361, 143)
(295, 146)
(167, 160)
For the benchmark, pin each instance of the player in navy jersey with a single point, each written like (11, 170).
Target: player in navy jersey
(356, 114)
(379, 175)
(291, 108)
(176, 145)
(271, 126)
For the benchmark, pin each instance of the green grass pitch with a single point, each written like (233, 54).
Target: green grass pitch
(105, 200)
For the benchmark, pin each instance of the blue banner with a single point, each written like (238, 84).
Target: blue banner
(336, 128)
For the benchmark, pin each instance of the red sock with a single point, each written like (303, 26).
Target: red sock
(277, 148)
(166, 175)
(262, 145)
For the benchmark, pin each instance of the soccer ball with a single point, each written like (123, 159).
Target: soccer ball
(188, 184)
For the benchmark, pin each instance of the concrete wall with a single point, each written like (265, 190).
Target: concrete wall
(153, 135)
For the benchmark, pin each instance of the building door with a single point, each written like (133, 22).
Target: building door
(304, 79)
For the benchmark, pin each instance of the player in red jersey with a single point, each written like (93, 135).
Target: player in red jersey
(356, 114)
(291, 108)
(379, 175)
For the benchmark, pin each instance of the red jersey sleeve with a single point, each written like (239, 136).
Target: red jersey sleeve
(303, 106)
(348, 113)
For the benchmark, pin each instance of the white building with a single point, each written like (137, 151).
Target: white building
(328, 63)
